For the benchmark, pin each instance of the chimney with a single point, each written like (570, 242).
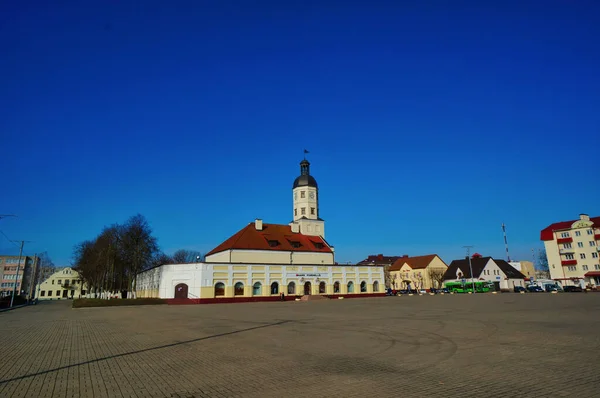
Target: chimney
(295, 227)
(405, 256)
(258, 224)
(584, 217)
(380, 257)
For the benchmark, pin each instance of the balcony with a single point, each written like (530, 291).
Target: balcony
(565, 240)
(568, 262)
(597, 236)
(565, 251)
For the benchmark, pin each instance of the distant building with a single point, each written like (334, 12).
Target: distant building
(24, 279)
(380, 260)
(499, 272)
(63, 284)
(572, 249)
(524, 267)
(421, 272)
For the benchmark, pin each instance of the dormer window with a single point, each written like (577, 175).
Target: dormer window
(295, 244)
(318, 245)
(273, 243)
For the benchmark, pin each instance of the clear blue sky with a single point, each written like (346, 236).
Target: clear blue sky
(428, 125)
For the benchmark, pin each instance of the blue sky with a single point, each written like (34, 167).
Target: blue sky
(428, 123)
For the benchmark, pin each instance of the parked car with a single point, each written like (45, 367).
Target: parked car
(550, 288)
(572, 289)
(534, 289)
(519, 289)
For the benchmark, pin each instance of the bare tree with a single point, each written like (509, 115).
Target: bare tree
(161, 259)
(183, 256)
(139, 247)
(437, 276)
(109, 263)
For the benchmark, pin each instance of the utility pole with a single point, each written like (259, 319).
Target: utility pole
(33, 279)
(470, 266)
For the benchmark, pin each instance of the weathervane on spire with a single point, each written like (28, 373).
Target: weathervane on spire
(305, 152)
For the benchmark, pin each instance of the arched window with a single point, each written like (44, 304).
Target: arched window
(291, 288)
(350, 287)
(363, 287)
(375, 286)
(336, 287)
(238, 289)
(257, 289)
(274, 288)
(322, 288)
(219, 289)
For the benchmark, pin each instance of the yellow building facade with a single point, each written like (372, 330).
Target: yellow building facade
(420, 272)
(63, 284)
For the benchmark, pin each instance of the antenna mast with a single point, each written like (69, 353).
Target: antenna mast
(505, 241)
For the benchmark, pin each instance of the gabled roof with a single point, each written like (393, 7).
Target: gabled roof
(416, 262)
(478, 264)
(548, 232)
(275, 237)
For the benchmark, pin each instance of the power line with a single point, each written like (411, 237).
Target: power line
(8, 239)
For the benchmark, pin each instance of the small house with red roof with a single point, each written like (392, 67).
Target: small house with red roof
(263, 261)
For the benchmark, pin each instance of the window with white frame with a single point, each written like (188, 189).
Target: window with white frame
(564, 235)
(597, 267)
(590, 232)
(569, 256)
(594, 255)
(582, 256)
(592, 243)
(579, 244)
(577, 233)
(585, 267)
(572, 268)
(567, 246)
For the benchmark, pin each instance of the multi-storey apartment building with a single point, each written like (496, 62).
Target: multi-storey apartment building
(23, 279)
(573, 251)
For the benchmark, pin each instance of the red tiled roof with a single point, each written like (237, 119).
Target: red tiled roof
(548, 232)
(417, 262)
(248, 238)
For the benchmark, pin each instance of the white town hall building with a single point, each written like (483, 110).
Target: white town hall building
(263, 260)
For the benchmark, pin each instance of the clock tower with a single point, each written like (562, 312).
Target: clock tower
(306, 203)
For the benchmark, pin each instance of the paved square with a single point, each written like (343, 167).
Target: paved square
(459, 345)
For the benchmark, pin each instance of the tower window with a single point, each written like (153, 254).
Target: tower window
(302, 194)
(312, 211)
(295, 212)
(303, 210)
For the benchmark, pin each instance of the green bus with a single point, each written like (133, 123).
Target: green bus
(480, 287)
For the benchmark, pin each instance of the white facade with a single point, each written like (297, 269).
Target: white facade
(573, 251)
(201, 279)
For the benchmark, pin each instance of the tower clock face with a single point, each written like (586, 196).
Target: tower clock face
(311, 195)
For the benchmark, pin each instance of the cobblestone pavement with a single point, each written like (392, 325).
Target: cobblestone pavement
(452, 345)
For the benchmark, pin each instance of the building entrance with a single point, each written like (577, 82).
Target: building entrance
(307, 287)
